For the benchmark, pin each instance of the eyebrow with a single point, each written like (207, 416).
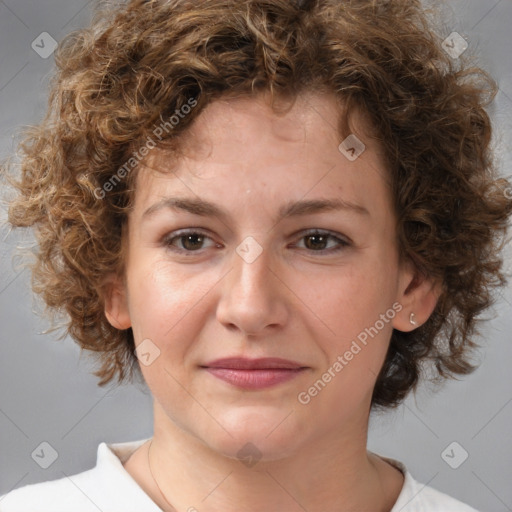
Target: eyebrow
(291, 209)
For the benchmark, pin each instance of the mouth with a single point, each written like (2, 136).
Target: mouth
(264, 363)
(254, 373)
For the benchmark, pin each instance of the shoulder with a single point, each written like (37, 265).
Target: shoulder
(54, 496)
(418, 497)
(107, 486)
(434, 500)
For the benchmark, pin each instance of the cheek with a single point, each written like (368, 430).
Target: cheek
(167, 306)
(354, 320)
(354, 348)
(160, 295)
(352, 300)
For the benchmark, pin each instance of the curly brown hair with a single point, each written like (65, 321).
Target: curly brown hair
(143, 60)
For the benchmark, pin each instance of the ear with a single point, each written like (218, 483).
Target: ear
(116, 302)
(417, 294)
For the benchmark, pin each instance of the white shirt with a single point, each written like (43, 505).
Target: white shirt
(108, 487)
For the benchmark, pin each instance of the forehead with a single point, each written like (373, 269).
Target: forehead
(241, 138)
(308, 116)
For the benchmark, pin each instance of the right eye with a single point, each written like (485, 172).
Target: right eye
(188, 240)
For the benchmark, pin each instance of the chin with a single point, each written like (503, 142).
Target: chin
(258, 435)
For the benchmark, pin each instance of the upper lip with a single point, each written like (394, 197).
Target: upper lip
(243, 363)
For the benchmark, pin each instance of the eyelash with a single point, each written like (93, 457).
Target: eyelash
(168, 240)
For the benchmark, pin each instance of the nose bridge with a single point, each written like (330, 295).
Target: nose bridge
(250, 297)
(252, 267)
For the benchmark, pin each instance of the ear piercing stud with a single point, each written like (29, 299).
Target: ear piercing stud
(412, 319)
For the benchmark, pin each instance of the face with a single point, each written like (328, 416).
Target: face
(266, 269)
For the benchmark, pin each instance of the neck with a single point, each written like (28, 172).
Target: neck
(334, 472)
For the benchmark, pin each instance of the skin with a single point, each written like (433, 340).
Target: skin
(298, 300)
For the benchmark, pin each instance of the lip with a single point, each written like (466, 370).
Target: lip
(263, 363)
(254, 373)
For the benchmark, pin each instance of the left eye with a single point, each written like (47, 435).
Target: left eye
(317, 241)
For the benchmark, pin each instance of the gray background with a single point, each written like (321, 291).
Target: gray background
(48, 395)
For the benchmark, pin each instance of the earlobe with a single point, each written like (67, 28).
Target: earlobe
(418, 299)
(116, 304)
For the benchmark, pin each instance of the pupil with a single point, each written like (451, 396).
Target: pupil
(318, 238)
(189, 238)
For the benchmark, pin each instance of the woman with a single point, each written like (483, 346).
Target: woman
(266, 208)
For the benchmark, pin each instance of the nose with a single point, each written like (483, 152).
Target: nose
(253, 296)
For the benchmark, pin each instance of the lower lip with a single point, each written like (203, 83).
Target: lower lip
(255, 379)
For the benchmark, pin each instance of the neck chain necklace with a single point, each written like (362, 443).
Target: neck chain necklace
(154, 479)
